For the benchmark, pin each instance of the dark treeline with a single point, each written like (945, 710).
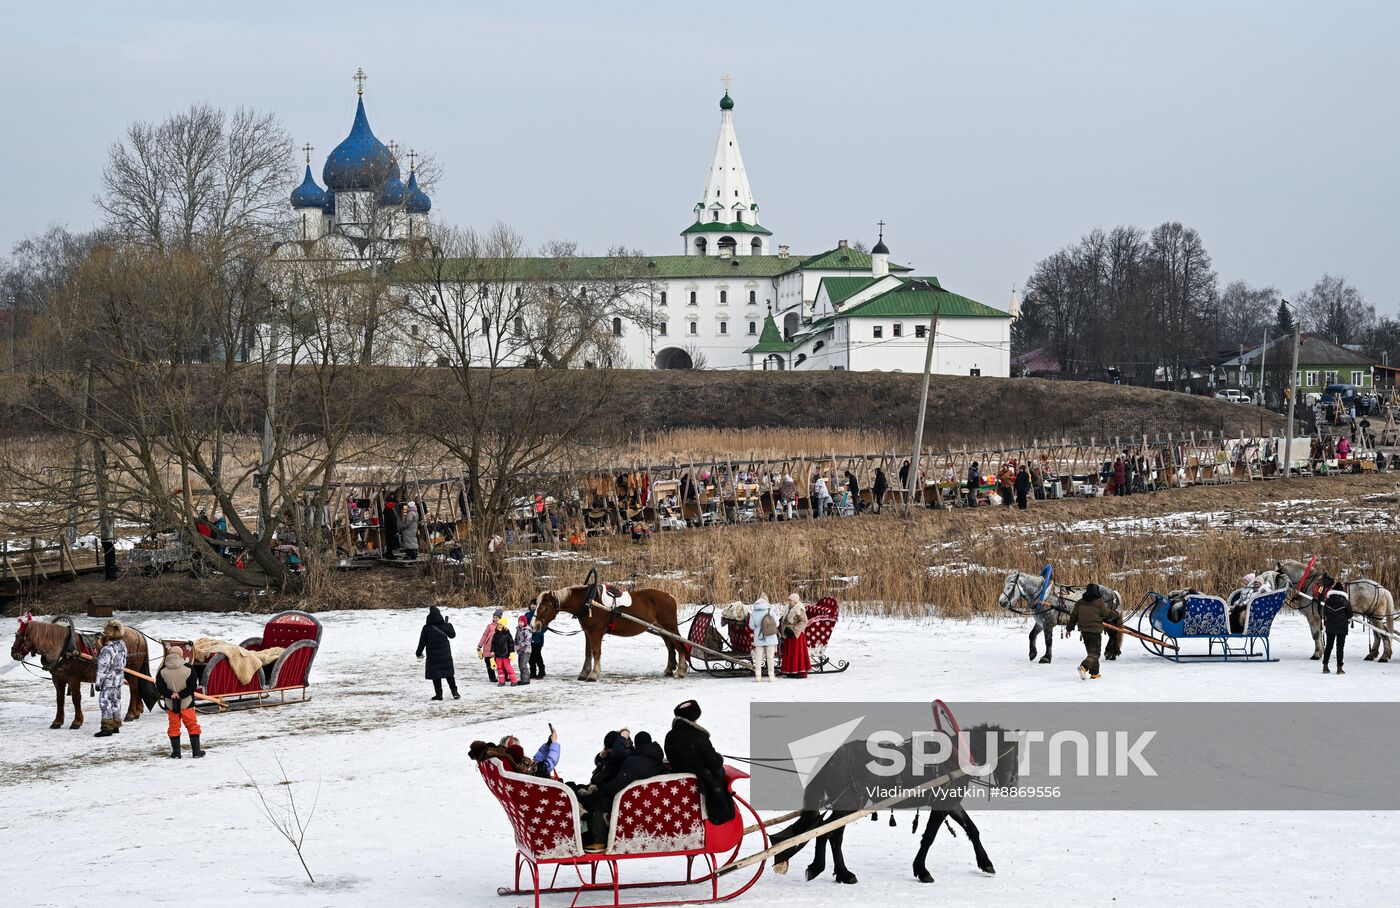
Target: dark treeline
(1150, 305)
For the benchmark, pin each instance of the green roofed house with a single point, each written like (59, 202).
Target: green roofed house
(1320, 363)
(880, 321)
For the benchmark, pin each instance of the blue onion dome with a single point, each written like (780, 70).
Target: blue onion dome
(360, 162)
(726, 103)
(392, 192)
(329, 205)
(418, 201)
(308, 194)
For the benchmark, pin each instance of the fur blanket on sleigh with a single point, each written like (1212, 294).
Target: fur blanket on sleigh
(244, 662)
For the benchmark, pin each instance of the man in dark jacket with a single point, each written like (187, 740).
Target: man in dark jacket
(974, 482)
(689, 749)
(640, 759)
(436, 640)
(391, 529)
(1090, 613)
(1023, 486)
(1336, 618)
(536, 649)
(882, 485)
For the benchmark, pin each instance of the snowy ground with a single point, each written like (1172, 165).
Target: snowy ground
(404, 819)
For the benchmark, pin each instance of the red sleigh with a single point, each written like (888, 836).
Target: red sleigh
(660, 817)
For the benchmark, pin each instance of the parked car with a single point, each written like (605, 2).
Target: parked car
(1340, 395)
(1233, 395)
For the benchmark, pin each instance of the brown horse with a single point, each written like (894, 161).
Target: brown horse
(652, 606)
(70, 659)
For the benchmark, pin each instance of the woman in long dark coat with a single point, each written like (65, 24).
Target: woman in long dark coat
(436, 640)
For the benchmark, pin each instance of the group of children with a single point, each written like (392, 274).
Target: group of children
(503, 650)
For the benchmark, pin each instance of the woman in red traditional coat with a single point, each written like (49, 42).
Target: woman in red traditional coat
(794, 661)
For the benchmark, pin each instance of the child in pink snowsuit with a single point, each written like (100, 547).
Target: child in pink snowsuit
(502, 648)
(483, 646)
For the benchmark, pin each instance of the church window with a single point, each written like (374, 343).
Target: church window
(753, 326)
(898, 329)
(753, 297)
(519, 326)
(413, 330)
(694, 327)
(617, 327)
(663, 297)
(485, 326)
(724, 327)
(756, 247)
(724, 296)
(519, 292)
(693, 300)
(714, 215)
(879, 331)
(736, 193)
(661, 328)
(921, 330)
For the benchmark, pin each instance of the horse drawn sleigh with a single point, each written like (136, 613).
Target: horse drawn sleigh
(603, 610)
(665, 818)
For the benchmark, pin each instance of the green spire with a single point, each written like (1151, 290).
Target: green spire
(726, 103)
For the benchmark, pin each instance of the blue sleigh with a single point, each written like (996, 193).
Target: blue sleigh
(1164, 624)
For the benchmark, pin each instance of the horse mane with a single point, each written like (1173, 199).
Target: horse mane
(49, 637)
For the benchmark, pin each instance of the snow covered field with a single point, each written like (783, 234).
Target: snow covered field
(404, 819)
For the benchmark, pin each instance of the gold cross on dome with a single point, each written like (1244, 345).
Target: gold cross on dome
(308, 148)
(726, 79)
(393, 149)
(359, 78)
(412, 160)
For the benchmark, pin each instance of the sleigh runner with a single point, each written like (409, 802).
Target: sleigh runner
(660, 817)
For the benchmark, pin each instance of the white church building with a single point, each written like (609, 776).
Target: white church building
(728, 301)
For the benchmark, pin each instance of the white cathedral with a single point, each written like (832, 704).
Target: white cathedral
(728, 300)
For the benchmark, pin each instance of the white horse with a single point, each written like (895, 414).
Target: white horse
(1054, 609)
(1369, 600)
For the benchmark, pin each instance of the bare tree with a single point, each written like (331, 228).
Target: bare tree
(1243, 315)
(526, 345)
(1335, 308)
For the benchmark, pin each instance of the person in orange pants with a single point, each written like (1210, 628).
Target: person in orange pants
(175, 684)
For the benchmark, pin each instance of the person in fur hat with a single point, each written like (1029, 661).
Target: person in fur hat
(175, 683)
(794, 660)
(689, 749)
(111, 663)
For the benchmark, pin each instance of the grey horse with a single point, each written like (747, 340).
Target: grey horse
(1055, 610)
(1369, 600)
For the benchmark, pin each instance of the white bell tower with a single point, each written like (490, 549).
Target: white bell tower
(726, 217)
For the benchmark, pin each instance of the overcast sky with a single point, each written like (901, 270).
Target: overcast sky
(986, 135)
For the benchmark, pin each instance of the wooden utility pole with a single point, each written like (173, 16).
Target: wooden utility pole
(919, 423)
(1292, 400)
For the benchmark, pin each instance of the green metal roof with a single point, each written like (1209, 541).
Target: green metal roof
(920, 297)
(578, 268)
(721, 227)
(841, 259)
(771, 340)
(840, 289)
